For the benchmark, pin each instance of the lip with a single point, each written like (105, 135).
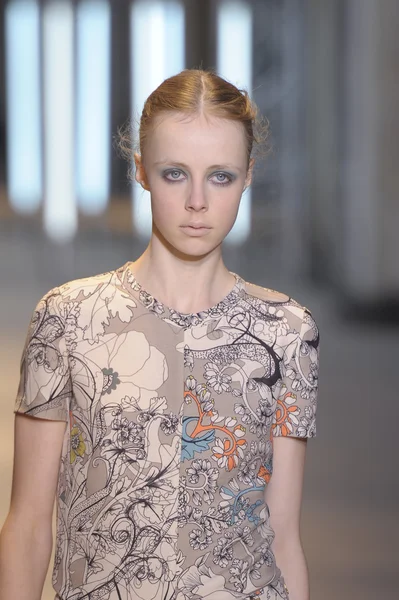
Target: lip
(195, 230)
(197, 226)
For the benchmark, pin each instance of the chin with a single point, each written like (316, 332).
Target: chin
(195, 250)
(177, 242)
(194, 247)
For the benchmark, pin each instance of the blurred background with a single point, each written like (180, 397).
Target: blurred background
(320, 221)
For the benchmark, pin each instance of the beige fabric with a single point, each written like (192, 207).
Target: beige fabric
(169, 445)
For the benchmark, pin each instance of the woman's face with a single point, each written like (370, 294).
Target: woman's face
(195, 170)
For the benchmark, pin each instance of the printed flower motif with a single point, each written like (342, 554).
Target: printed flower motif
(307, 428)
(261, 329)
(186, 320)
(110, 381)
(255, 570)
(226, 452)
(123, 365)
(223, 552)
(265, 473)
(191, 383)
(286, 415)
(267, 556)
(237, 392)
(245, 535)
(264, 413)
(146, 298)
(305, 378)
(279, 325)
(127, 431)
(198, 541)
(101, 303)
(78, 447)
(188, 358)
(247, 472)
(313, 375)
(169, 424)
(204, 395)
(201, 582)
(215, 378)
(203, 469)
(239, 570)
(251, 466)
(195, 538)
(115, 450)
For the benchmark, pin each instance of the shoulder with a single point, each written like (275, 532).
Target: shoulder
(77, 291)
(283, 306)
(274, 299)
(84, 307)
(84, 287)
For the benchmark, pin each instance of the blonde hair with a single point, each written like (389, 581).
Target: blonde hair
(192, 92)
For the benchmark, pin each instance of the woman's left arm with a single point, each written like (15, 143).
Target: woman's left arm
(283, 497)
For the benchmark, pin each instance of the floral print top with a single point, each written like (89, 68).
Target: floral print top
(168, 447)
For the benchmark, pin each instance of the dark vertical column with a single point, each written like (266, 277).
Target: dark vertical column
(266, 92)
(322, 46)
(120, 88)
(292, 201)
(200, 33)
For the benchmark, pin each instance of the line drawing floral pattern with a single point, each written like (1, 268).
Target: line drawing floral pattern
(169, 444)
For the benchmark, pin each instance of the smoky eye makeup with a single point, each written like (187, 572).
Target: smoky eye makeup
(172, 174)
(219, 178)
(223, 178)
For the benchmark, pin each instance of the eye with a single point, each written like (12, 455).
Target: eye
(173, 175)
(222, 178)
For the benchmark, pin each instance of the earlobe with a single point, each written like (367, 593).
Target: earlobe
(140, 173)
(137, 162)
(145, 185)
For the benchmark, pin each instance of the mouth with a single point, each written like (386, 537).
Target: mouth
(196, 226)
(195, 229)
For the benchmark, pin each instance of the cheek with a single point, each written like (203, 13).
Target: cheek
(166, 206)
(227, 204)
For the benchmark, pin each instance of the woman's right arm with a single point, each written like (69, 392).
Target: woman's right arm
(26, 537)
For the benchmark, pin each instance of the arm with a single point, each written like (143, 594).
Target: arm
(283, 497)
(26, 537)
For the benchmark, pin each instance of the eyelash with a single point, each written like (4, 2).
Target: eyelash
(229, 178)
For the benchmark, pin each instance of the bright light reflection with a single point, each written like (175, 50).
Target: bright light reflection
(234, 63)
(24, 143)
(60, 211)
(157, 52)
(93, 105)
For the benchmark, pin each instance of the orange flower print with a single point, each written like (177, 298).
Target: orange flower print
(226, 451)
(264, 474)
(286, 415)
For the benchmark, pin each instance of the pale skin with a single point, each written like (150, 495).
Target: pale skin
(185, 163)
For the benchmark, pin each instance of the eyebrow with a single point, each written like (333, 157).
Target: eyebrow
(180, 164)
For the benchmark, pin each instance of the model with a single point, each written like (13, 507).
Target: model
(165, 405)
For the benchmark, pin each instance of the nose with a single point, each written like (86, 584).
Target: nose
(196, 197)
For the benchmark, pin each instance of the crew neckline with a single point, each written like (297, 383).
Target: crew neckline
(170, 314)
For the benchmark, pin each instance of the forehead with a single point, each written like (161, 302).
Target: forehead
(201, 138)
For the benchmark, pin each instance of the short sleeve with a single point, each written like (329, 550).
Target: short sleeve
(44, 388)
(295, 414)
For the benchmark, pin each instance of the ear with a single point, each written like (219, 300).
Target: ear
(140, 174)
(248, 179)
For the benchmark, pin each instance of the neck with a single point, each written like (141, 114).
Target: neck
(186, 284)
